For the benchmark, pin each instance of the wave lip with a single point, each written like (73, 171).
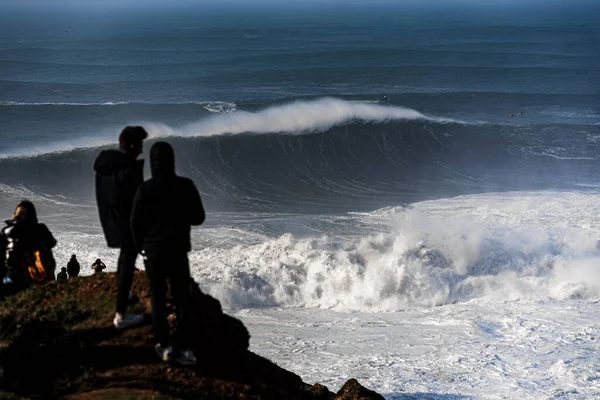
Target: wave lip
(49, 103)
(298, 117)
(302, 117)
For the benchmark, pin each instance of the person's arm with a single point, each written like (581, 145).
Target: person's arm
(46, 237)
(128, 182)
(3, 243)
(138, 219)
(196, 208)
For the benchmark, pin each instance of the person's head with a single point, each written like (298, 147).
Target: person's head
(131, 140)
(25, 212)
(73, 256)
(63, 269)
(162, 159)
(97, 261)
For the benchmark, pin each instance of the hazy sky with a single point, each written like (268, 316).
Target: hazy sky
(283, 4)
(467, 8)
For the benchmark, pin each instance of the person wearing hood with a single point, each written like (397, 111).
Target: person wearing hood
(73, 266)
(164, 209)
(27, 250)
(118, 175)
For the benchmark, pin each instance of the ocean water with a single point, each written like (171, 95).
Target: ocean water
(436, 243)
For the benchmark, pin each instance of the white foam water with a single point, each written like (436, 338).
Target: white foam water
(483, 296)
(432, 254)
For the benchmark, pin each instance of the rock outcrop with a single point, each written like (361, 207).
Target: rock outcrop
(57, 341)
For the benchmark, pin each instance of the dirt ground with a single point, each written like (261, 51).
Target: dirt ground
(57, 341)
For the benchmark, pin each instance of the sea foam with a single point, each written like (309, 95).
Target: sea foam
(435, 253)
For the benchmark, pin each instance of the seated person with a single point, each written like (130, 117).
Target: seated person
(62, 275)
(26, 246)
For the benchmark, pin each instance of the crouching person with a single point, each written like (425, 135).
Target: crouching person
(62, 275)
(27, 246)
(164, 208)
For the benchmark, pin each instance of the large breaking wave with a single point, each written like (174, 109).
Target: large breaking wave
(318, 160)
(299, 117)
(332, 155)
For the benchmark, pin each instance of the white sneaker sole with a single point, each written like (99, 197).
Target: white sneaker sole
(164, 355)
(123, 325)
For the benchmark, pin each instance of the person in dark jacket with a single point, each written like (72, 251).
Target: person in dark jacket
(27, 247)
(62, 275)
(118, 175)
(164, 209)
(73, 266)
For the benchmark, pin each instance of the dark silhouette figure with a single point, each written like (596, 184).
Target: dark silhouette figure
(26, 250)
(118, 175)
(98, 266)
(62, 275)
(164, 209)
(73, 266)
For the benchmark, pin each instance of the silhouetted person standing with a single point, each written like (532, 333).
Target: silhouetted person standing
(118, 176)
(164, 209)
(73, 266)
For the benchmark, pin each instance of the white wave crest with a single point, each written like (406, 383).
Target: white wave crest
(301, 117)
(19, 103)
(61, 146)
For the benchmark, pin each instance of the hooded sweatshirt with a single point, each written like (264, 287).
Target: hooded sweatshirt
(118, 177)
(165, 207)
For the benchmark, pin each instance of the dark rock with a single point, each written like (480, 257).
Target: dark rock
(57, 341)
(320, 392)
(352, 390)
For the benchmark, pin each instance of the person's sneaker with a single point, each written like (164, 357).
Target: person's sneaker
(125, 321)
(165, 353)
(186, 358)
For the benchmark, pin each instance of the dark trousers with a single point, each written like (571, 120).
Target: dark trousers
(125, 270)
(174, 268)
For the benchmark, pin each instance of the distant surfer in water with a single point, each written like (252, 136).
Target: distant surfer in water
(384, 99)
